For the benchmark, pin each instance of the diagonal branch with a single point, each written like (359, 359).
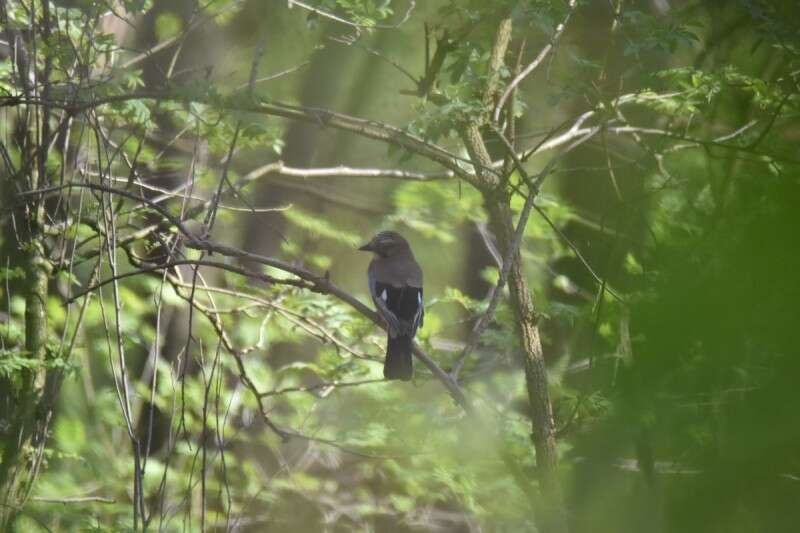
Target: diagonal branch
(535, 63)
(313, 282)
(323, 285)
(325, 118)
(325, 14)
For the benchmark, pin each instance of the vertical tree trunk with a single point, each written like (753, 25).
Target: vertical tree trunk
(25, 424)
(497, 202)
(553, 517)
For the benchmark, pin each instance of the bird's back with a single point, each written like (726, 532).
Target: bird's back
(396, 271)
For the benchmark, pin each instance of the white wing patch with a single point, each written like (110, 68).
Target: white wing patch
(420, 311)
(383, 295)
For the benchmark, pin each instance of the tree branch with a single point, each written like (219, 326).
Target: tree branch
(534, 64)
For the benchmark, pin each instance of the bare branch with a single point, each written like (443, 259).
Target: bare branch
(411, 5)
(325, 387)
(74, 499)
(275, 76)
(535, 63)
(280, 168)
(194, 262)
(579, 255)
(322, 117)
(323, 285)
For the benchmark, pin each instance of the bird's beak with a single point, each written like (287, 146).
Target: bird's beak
(367, 247)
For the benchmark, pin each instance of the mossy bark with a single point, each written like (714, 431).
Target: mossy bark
(22, 421)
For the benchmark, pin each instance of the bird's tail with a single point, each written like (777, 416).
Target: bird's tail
(398, 358)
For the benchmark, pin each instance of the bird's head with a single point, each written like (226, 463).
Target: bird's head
(387, 244)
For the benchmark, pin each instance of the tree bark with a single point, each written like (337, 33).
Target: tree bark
(27, 401)
(543, 427)
(497, 202)
(25, 424)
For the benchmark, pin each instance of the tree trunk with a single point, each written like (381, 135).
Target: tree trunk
(27, 401)
(553, 517)
(25, 422)
(497, 202)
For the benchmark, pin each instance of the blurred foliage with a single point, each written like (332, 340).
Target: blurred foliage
(676, 407)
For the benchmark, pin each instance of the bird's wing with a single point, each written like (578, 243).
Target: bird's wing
(419, 318)
(371, 282)
(381, 304)
(404, 303)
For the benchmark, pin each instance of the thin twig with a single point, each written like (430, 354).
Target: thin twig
(194, 262)
(341, 20)
(74, 499)
(534, 64)
(321, 386)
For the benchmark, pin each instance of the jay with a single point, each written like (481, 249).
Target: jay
(395, 285)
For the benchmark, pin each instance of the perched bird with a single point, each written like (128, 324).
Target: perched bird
(395, 284)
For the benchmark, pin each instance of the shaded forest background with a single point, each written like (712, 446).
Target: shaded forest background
(603, 196)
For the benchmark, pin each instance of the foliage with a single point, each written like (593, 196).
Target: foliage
(189, 388)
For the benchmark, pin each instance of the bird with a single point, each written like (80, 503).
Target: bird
(395, 285)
